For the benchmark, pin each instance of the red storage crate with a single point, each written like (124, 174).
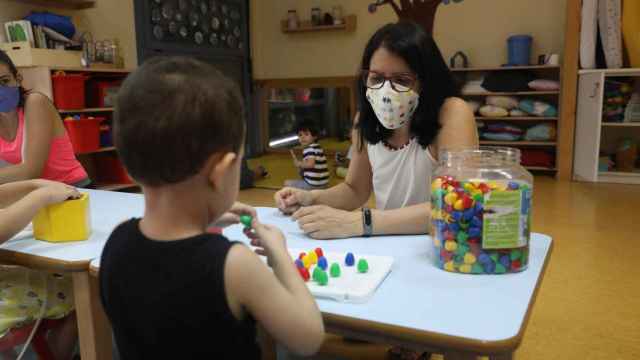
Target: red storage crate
(111, 171)
(84, 133)
(68, 91)
(102, 93)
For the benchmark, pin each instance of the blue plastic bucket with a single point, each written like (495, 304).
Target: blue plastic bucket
(519, 47)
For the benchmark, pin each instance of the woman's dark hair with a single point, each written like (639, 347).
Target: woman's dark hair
(410, 42)
(5, 59)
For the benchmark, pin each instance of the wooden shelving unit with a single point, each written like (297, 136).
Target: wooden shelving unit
(516, 118)
(101, 150)
(516, 93)
(87, 110)
(38, 78)
(349, 25)
(64, 4)
(493, 68)
(518, 143)
(543, 72)
(116, 187)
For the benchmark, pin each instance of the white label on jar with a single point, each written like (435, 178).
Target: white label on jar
(504, 219)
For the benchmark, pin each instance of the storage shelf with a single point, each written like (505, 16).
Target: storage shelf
(349, 25)
(612, 72)
(115, 187)
(494, 68)
(620, 177)
(516, 118)
(621, 124)
(101, 150)
(288, 104)
(90, 69)
(532, 93)
(518, 143)
(87, 110)
(65, 4)
(539, 168)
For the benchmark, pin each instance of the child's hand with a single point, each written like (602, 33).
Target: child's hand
(267, 238)
(232, 216)
(52, 192)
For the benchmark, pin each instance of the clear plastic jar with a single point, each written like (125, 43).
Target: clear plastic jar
(481, 211)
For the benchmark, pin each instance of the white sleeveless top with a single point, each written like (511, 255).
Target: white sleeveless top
(400, 177)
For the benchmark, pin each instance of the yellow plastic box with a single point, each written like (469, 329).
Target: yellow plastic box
(66, 221)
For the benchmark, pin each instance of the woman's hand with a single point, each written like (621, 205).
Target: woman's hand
(232, 216)
(288, 200)
(52, 192)
(324, 222)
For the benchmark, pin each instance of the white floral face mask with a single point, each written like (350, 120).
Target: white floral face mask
(393, 109)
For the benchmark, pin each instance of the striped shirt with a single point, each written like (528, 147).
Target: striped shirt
(319, 174)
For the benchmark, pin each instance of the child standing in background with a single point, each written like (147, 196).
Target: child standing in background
(22, 290)
(171, 290)
(313, 167)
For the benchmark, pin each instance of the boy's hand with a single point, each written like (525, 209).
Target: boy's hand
(268, 240)
(52, 192)
(232, 216)
(288, 200)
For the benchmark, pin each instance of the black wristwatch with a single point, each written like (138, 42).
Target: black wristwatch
(367, 225)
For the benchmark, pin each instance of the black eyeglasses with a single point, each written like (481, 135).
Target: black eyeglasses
(400, 82)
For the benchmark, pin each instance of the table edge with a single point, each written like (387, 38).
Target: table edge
(429, 339)
(11, 257)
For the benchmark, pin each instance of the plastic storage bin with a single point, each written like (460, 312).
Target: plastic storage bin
(481, 211)
(84, 133)
(111, 171)
(68, 91)
(519, 49)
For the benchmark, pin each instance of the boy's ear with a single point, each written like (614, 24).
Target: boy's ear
(222, 164)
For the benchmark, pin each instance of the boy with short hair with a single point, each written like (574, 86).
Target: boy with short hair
(170, 289)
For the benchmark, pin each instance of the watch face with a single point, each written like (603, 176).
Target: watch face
(237, 32)
(179, 17)
(194, 18)
(203, 8)
(167, 11)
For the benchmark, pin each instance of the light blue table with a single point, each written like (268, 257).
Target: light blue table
(417, 306)
(423, 307)
(108, 209)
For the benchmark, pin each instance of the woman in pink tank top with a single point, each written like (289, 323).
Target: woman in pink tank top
(33, 141)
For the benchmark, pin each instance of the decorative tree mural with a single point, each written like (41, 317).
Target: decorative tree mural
(422, 12)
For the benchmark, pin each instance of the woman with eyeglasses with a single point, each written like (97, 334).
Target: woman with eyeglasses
(409, 111)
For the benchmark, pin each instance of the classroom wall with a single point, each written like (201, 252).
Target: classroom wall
(108, 20)
(477, 27)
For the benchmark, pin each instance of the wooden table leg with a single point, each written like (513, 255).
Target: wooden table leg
(94, 330)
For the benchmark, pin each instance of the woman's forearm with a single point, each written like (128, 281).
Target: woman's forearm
(17, 173)
(408, 220)
(342, 196)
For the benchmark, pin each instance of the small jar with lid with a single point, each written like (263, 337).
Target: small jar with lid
(292, 19)
(481, 211)
(316, 16)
